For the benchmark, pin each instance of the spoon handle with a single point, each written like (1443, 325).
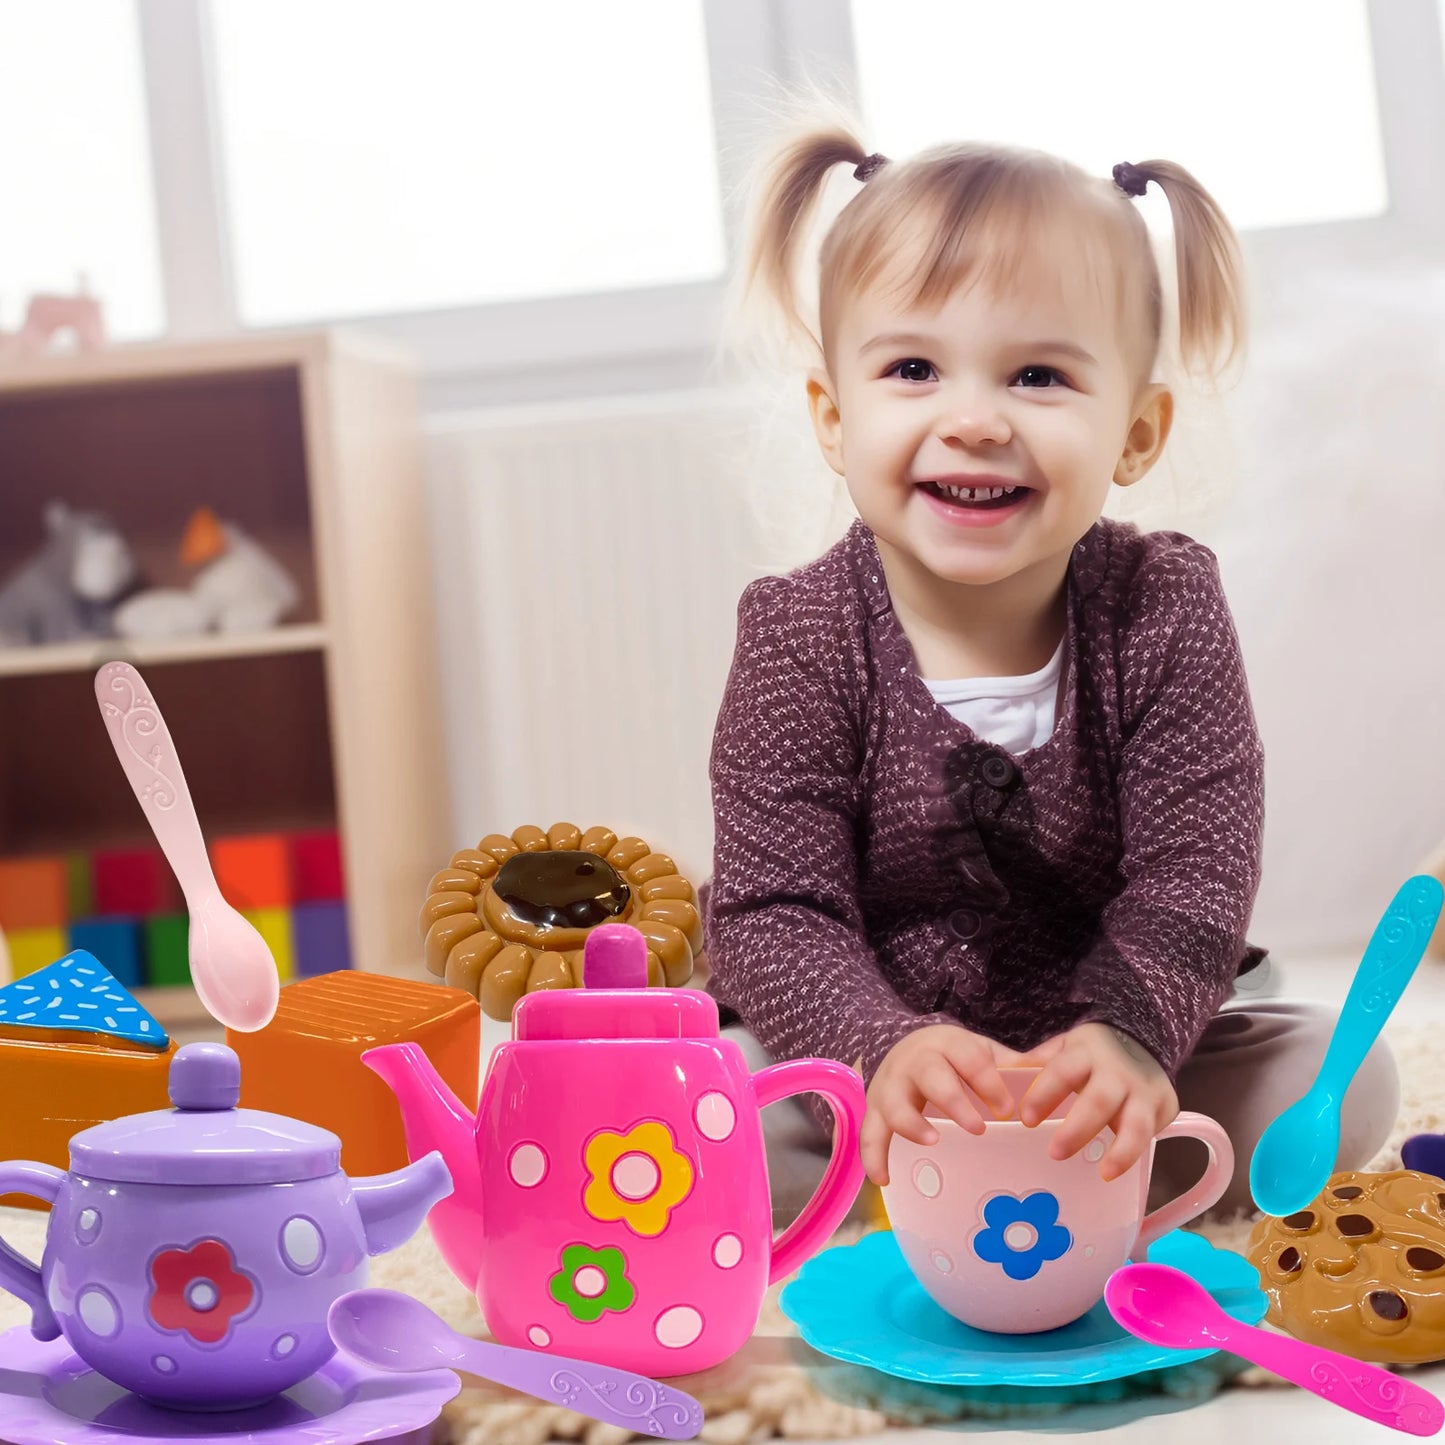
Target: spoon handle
(143, 744)
(597, 1391)
(1364, 1390)
(1394, 952)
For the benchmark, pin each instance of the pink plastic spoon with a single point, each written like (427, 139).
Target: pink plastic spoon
(231, 966)
(1166, 1307)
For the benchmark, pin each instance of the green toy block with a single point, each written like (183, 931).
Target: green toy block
(79, 888)
(167, 952)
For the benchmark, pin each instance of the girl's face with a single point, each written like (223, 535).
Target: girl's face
(978, 438)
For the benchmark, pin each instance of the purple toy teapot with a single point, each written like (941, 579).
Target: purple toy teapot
(192, 1253)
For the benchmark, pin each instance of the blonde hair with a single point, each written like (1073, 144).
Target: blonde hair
(961, 212)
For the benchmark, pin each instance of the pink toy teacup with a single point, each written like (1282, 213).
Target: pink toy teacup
(1006, 1239)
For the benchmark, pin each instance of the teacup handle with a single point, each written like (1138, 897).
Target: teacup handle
(842, 1087)
(1211, 1186)
(18, 1274)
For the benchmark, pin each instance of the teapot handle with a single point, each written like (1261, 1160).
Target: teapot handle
(842, 1087)
(18, 1274)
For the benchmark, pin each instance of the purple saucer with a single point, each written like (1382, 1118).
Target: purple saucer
(50, 1396)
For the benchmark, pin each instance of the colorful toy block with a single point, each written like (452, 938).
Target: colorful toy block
(316, 875)
(32, 893)
(274, 925)
(116, 942)
(254, 871)
(307, 1061)
(33, 948)
(319, 938)
(167, 950)
(134, 883)
(79, 886)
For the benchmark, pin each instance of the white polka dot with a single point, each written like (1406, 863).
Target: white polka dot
(1094, 1150)
(1088, 1251)
(283, 1346)
(589, 1282)
(715, 1116)
(98, 1312)
(727, 1251)
(1020, 1235)
(203, 1295)
(941, 1262)
(927, 1180)
(677, 1327)
(635, 1176)
(539, 1337)
(527, 1165)
(87, 1225)
(163, 1365)
(301, 1243)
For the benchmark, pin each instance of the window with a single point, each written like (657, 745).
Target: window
(1272, 106)
(75, 163)
(378, 158)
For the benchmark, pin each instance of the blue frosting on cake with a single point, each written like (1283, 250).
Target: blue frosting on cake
(78, 993)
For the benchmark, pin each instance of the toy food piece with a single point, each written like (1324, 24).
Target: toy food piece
(307, 1061)
(1362, 1270)
(75, 1050)
(511, 915)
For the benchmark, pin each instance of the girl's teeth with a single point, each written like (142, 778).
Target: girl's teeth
(978, 494)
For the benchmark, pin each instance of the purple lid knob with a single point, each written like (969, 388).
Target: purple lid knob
(205, 1077)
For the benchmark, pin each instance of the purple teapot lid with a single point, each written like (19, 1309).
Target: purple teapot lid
(205, 1139)
(614, 1001)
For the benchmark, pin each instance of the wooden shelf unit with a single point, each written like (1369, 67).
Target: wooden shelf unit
(311, 442)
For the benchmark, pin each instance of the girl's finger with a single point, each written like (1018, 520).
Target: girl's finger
(1040, 1053)
(972, 1061)
(1097, 1103)
(942, 1088)
(1066, 1073)
(1133, 1133)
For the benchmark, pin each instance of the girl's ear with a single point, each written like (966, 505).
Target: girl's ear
(1147, 434)
(827, 419)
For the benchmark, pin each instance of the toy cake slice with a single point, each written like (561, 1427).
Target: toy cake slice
(73, 999)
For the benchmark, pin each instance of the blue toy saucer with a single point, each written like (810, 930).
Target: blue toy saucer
(861, 1303)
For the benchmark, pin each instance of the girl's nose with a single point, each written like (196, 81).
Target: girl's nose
(975, 422)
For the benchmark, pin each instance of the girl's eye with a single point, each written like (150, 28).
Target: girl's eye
(914, 369)
(1040, 376)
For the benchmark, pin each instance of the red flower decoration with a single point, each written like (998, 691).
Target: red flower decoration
(199, 1290)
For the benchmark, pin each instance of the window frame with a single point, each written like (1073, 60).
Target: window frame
(663, 337)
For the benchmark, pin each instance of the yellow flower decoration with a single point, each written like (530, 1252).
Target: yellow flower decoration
(639, 1177)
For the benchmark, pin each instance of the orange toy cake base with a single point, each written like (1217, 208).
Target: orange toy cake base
(307, 1061)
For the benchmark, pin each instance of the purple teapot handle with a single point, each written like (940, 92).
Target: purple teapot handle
(842, 1087)
(17, 1274)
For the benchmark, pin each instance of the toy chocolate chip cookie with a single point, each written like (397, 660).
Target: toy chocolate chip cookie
(512, 914)
(1362, 1270)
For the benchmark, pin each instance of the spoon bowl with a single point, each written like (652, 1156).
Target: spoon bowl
(237, 981)
(392, 1331)
(1165, 1307)
(1300, 1144)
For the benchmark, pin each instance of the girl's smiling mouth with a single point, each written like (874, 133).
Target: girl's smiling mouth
(974, 502)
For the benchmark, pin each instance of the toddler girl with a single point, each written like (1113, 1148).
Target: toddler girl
(986, 780)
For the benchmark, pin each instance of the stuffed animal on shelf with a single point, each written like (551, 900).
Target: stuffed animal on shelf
(240, 587)
(69, 590)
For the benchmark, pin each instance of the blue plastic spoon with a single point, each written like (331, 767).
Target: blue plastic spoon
(1296, 1155)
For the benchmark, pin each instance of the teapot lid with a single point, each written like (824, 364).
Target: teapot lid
(614, 1001)
(205, 1139)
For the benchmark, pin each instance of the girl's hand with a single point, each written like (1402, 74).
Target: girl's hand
(930, 1067)
(1118, 1083)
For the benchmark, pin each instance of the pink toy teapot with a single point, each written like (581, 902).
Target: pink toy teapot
(611, 1197)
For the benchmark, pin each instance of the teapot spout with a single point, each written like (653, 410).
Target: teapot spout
(433, 1118)
(393, 1205)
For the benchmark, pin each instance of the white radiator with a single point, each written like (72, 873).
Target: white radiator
(588, 562)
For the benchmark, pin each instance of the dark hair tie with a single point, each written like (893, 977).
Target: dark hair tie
(868, 165)
(1130, 179)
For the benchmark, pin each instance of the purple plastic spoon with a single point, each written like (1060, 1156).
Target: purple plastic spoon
(1166, 1307)
(391, 1331)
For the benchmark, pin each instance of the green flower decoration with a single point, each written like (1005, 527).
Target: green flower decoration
(591, 1281)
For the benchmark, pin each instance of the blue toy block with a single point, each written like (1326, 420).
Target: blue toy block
(319, 941)
(116, 942)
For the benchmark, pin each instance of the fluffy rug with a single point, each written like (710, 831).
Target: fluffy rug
(777, 1386)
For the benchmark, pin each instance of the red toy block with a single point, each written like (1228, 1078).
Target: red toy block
(253, 871)
(136, 882)
(316, 875)
(32, 893)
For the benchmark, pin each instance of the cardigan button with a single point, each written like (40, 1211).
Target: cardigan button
(997, 771)
(964, 923)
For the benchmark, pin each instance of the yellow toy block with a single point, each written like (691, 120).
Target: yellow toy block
(32, 948)
(274, 925)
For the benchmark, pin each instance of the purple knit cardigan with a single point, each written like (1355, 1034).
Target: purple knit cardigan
(879, 867)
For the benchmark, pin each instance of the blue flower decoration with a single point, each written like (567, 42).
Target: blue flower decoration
(1048, 1238)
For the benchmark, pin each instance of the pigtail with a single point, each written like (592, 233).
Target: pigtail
(1212, 325)
(785, 191)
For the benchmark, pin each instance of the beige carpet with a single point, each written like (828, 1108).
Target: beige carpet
(777, 1386)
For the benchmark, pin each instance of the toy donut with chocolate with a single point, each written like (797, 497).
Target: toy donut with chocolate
(1362, 1270)
(511, 915)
